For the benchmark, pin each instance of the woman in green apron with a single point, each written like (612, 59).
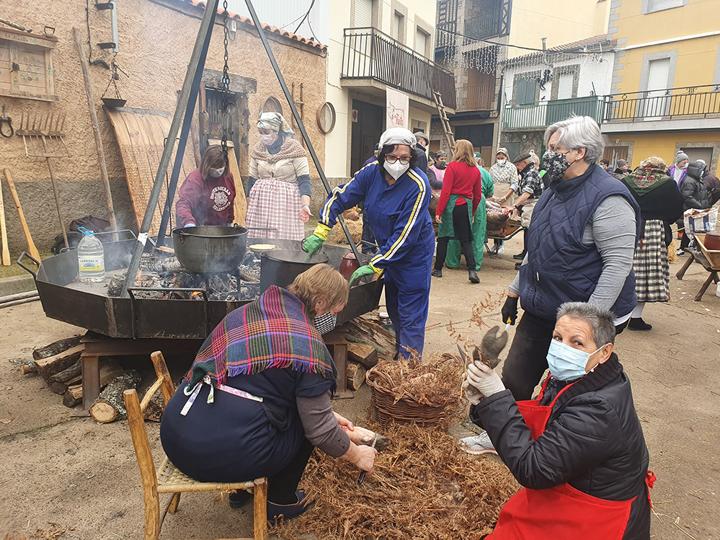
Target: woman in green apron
(479, 228)
(460, 197)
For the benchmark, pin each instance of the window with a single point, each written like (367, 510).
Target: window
(26, 68)
(362, 13)
(655, 100)
(422, 42)
(272, 105)
(651, 6)
(398, 26)
(525, 89)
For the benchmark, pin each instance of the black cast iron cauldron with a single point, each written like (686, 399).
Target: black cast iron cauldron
(210, 248)
(281, 266)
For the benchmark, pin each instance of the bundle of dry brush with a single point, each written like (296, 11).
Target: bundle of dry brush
(435, 381)
(423, 487)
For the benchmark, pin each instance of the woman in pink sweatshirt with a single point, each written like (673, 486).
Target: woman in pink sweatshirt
(207, 194)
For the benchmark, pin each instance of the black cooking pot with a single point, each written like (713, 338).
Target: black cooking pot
(210, 248)
(281, 266)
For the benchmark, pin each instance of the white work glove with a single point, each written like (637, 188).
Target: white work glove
(481, 381)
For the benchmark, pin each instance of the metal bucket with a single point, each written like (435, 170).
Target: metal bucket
(210, 248)
(280, 267)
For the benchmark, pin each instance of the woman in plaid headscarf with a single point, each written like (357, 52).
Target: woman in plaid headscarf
(279, 200)
(256, 400)
(660, 205)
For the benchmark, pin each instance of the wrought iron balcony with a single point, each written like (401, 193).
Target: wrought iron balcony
(689, 102)
(371, 54)
(538, 116)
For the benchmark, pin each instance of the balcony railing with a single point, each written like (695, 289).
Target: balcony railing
(541, 115)
(371, 54)
(669, 104)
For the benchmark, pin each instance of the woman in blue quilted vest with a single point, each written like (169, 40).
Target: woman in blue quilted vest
(580, 247)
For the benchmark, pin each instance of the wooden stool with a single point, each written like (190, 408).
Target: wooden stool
(168, 479)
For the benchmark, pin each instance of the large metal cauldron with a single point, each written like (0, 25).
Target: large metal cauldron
(281, 266)
(210, 248)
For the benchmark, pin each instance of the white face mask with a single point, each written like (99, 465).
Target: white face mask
(216, 173)
(501, 161)
(397, 169)
(269, 139)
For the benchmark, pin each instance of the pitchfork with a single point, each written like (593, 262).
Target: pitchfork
(40, 133)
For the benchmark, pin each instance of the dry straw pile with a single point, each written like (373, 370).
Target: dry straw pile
(423, 487)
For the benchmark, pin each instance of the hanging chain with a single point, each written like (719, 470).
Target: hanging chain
(225, 79)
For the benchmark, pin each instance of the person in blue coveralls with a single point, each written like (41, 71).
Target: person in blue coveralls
(395, 195)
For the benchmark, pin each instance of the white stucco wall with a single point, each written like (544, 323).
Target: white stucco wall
(337, 142)
(592, 73)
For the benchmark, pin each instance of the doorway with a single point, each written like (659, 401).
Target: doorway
(368, 123)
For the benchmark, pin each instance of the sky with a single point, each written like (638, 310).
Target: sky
(288, 14)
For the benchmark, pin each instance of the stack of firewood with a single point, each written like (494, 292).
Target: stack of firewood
(60, 367)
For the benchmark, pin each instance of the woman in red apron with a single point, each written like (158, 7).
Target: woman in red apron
(577, 448)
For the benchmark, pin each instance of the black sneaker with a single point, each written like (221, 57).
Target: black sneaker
(519, 256)
(437, 273)
(636, 323)
(277, 512)
(473, 277)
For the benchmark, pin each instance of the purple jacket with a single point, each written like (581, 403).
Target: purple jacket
(671, 174)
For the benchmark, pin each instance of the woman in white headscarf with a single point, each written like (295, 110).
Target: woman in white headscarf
(395, 194)
(279, 201)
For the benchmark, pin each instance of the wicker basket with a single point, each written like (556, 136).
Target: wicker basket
(404, 411)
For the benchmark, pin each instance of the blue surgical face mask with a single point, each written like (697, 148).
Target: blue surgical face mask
(567, 363)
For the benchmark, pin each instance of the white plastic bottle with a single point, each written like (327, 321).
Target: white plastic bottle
(91, 258)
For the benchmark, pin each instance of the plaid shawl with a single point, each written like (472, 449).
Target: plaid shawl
(273, 332)
(643, 180)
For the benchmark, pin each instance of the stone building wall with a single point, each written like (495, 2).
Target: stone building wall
(156, 40)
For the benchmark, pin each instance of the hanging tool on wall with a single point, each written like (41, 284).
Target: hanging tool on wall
(46, 131)
(32, 250)
(117, 101)
(6, 127)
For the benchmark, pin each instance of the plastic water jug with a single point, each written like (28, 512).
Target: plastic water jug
(91, 258)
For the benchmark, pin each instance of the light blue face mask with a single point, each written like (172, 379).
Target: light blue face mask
(567, 363)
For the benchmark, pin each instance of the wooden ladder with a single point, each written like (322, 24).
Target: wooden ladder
(447, 130)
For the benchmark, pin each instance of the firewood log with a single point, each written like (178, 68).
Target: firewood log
(50, 365)
(73, 395)
(67, 374)
(363, 353)
(28, 367)
(355, 375)
(55, 347)
(109, 405)
(365, 330)
(60, 388)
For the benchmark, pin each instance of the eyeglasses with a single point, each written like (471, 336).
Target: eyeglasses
(393, 159)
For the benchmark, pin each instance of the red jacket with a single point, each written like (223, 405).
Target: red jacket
(463, 180)
(206, 202)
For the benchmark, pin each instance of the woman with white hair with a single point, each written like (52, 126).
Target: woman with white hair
(580, 247)
(395, 195)
(279, 201)
(578, 448)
